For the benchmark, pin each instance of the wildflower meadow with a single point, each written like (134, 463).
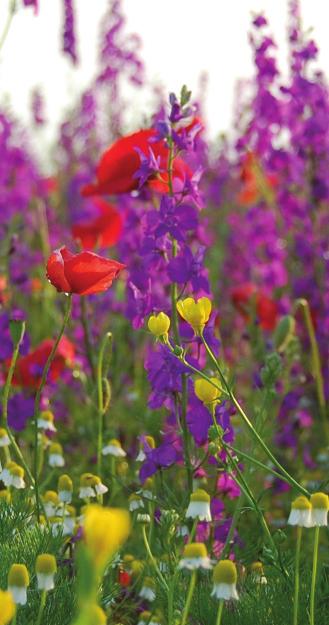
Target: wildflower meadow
(164, 360)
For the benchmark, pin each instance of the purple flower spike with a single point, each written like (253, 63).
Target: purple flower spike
(69, 40)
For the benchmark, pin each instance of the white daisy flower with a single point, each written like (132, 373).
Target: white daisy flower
(148, 589)
(113, 448)
(301, 512)
(46, 568)
(4, 438)
(18, 581)
(46, 421)
(199, 506)
(65, 488)
(135, 502)
(195, 557)
(55, 458)
(320, 507)
(225, 577)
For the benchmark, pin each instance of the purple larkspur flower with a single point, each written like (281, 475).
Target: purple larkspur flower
(188, 268)
(20, 410)
(163, 456)
(175, 220)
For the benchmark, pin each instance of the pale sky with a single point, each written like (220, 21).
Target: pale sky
(181, 39)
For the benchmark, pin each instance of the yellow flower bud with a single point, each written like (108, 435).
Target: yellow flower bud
(159, 325)
(7, 607)
(105, 530)
(196, 313)
(205, 391)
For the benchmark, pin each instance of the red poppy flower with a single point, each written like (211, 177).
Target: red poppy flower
(104, 229)
(124, 579)
(253, 180)
(83, 273)
(29, 368)
(117, 166)
(266, 308)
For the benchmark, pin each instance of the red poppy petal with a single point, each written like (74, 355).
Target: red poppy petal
(55, 271)
(89, 273)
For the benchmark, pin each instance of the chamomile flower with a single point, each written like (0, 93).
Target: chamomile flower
(113, 448)
(135, 502)
(46, 568)
(144, 519)
(13, 475)
(56, 458)
(65, 488)
(257, 573)
(195, 557)
(199, 506)
(320, 507)
(18, 582)
(46, 421)
(4, 438)
(225, 577)
(51, 502)
(148, 589)
(69, 522)
(301, 512)
(91, 486)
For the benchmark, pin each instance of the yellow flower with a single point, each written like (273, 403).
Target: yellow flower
(105, 530)
(7, 607)
(195, 313)
(206, 391)
(159, 325)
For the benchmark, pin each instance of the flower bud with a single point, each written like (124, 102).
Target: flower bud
(225, 577)
(65, 488)
(207, 392)
(159, 325)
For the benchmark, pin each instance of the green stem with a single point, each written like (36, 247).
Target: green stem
(42, 607)
(38, 400)
(247, 421)
(314, 572)
(107, 339)
(316, 361)
(6, 390)
(153, 560)
(87, 337)
(5, 397)
(186, 436)
(189, 598)
(14, 621)
(297, 561)
(220, 612)
(11, 13)
(266, 468)
(171, 593)
(193, 530)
